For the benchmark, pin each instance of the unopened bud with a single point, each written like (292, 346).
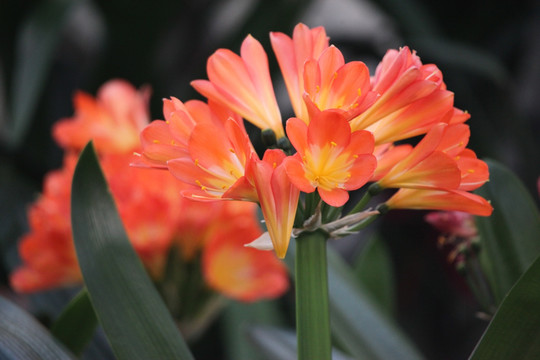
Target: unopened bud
(284, 144)
(269, 138)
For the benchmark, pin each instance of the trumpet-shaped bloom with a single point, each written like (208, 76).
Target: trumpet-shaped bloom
(330, 83)
(113, 120)
(425, 166)
(388, 155)
(413, 98)
(243, 84)
(448, 200)
(292, 54)
(277, 195)
(317, 77)
(216, 169)
(329, 157)
(474, 172)
(210, 169)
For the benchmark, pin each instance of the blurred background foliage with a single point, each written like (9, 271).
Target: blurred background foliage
(489, 53)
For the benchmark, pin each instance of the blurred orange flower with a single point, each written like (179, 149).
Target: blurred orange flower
(155, 216)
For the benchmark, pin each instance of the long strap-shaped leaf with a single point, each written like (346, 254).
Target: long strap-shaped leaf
(79, 315)
(514, 332)
(511, 235)
(133, 316)
(22, 337)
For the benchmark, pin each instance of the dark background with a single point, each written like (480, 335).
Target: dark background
(489, 52)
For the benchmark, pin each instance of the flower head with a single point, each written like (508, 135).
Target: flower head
(330, 158)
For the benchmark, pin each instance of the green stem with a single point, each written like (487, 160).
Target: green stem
(312, 313)
(371, 191)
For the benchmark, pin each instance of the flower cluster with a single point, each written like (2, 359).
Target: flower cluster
(157, 220)
(344, 132)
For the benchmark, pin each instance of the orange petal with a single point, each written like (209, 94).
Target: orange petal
(454, 200)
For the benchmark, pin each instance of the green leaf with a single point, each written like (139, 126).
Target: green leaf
(279, 344)
(510, 236)
(359, 326)
(514, 332)
(373, 268)
(238, 317)
(459, 55)
(33, 56)
(22, 337)
(79, 314)
(133, 316)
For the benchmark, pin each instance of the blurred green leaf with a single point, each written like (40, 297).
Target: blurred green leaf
(458, 55)
(22, 337)
(33, 56)
(133, 316)
(514, 332)
(79, 314)
(412, 16)
(359, 326)
(510, 236)
(238, 317)
(279, 344)
(373, 268)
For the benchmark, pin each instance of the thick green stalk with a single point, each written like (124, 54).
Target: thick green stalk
(312, 313)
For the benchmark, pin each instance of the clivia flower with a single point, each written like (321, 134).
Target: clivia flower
(344, 132)
(155, 217)
(330, 158)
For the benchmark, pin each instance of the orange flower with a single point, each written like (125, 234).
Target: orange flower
(113, 120)
(216, 169)
(449, 200)
(243, 84)
(412, 99)
(154, 215)
(317, 76)
(424, 166)
(292, 54)
(277, 196)
(210, 169)
(47, 250)
(239, 272)
(149, 214)
(330, 158)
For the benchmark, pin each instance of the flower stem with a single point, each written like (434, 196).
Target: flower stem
(312, 313)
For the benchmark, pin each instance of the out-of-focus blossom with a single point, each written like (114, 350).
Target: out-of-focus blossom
(453, 223)
(237, 271)
(154, 215)
(329, 157)
(113, 120)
